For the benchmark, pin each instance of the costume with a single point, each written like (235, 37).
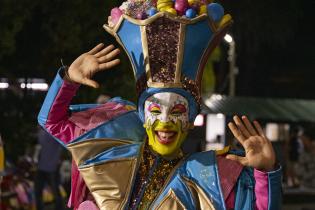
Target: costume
(118, 158)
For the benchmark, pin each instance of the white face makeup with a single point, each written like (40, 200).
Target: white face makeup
(166, 107)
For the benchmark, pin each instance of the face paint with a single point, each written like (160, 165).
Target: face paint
(166, 122)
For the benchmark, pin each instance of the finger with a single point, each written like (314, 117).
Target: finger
(109, 56)
(241, 126)
(249, 126)
(90, 83)
(109, 64)
(259, 129)
(237, 134)
(241, 160)
(105, 51)
(96, 49)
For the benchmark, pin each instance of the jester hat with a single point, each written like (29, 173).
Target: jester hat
(168, 45)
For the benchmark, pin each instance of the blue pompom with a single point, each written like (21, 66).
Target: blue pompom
(191, 13)
(215, 11)
(152, 11)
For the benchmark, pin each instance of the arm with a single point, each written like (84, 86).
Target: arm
(54, 114)
(259, 154)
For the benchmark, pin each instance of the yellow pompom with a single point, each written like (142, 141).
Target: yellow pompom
(191, 2)
(226, 18)
(164, 1)
(165, 8)
(171, 10)
(203, 9)
(163, 5)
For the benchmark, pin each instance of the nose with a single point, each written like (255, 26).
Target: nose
(164, 117)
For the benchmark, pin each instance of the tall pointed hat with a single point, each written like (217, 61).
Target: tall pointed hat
(168, 44)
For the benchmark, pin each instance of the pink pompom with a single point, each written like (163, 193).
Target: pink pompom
(115, 14)
(181, 6)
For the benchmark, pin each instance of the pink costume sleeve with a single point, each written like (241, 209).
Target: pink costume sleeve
(57, 122)
(261, 189)
(54, 116)
(229, 172)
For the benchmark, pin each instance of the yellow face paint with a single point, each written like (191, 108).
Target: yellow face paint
(166, 138)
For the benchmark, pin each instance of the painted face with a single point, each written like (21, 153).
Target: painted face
(166, 122)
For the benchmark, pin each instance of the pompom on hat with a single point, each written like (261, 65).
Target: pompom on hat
(168, 52)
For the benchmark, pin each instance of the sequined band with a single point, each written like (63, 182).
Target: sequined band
(191, 86)
(151, 177)
(163, 38)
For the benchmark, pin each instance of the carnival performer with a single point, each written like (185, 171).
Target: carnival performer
(128, 156)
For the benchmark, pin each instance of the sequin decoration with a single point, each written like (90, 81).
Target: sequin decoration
(152, 175)
(192, 87)
(163, 39)
(136, 8)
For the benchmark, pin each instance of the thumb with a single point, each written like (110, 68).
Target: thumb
(241, 160)
(90, 83)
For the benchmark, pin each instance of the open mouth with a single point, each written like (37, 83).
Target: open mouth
(166, 137)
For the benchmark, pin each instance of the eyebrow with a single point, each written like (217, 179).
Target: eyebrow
(154, 105)
(180, 107)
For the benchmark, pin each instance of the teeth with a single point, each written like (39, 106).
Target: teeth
(166, 137)
(166, 134)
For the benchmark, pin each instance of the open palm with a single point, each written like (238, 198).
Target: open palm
(86, 65)
(258, 149)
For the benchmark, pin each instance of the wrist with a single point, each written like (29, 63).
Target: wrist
(269, 168)
(65, 75)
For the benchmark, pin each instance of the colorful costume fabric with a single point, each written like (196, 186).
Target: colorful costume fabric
(115, 132)
(113, 152)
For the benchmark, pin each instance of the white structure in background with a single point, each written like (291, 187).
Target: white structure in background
(215, 131)
(34, 84)
(4, 83)
(199, 121)
(277, 131)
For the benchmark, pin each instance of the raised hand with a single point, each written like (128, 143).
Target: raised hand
(86, 65)
(258, 149)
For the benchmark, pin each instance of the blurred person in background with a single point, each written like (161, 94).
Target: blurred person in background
(293, 153)
(48, 170)
(65, 174)
(306, 164)
(102, 99)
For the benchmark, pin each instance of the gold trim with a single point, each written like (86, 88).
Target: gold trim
(84, 150)
(180, 53)
(170, 201)
(110, 182)
(164, 85)
(183, 22)
(145, 51)
(149, 20)
(201, 199)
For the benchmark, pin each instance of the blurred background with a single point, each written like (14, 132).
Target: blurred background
(264, 69)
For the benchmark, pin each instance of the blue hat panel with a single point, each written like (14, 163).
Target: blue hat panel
(197, 39)
(130, 36)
